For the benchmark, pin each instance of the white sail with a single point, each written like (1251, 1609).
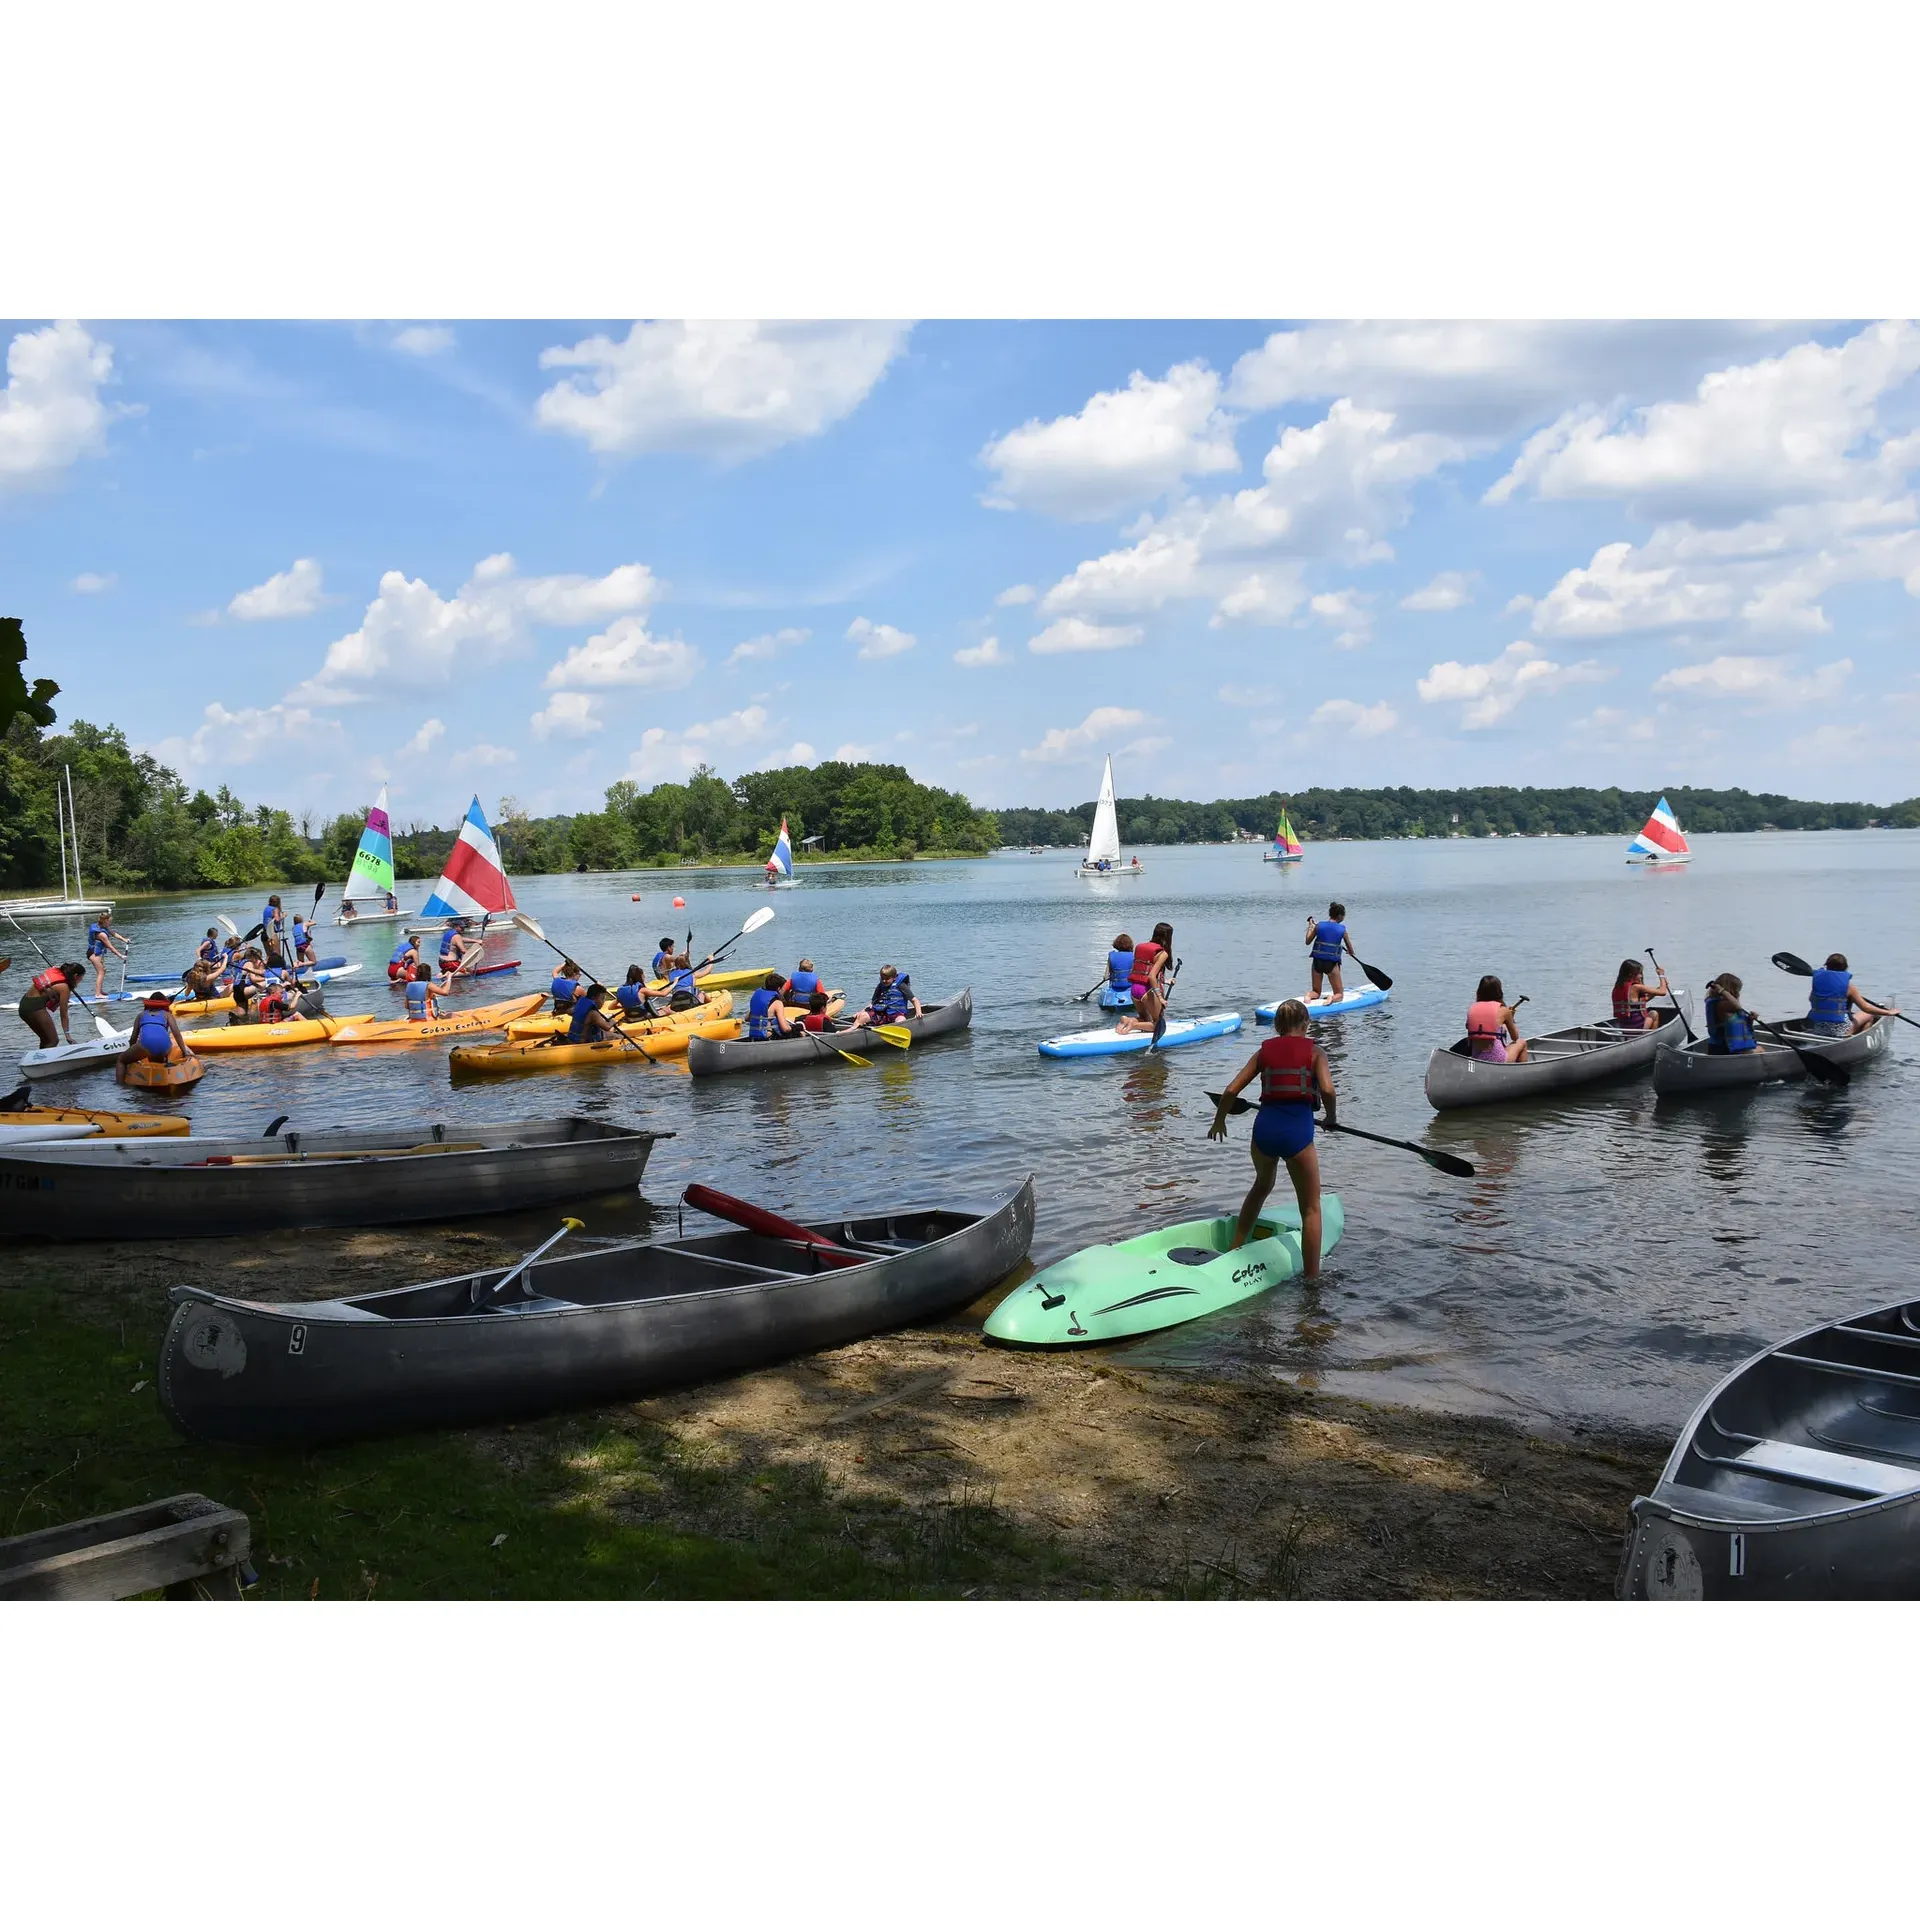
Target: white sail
(1105, 844)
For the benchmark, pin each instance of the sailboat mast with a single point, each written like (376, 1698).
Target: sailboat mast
(73, 827)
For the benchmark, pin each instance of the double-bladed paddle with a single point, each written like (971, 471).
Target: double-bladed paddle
(754, 922)
(528, 924)
(1440, 1162)
(1792, 963)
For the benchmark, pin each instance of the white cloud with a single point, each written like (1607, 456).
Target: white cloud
(483, 753)
(1835, 743)
(1074, 635)
(879, 642)
(1492, 689)
(1617, 724)
(1620, 593)
(1020, 596)
(422, 342)
(1346, 610)
(228, 738)
(800, 754)
(1071, 743)
(284, 596)
(851, 752)
(1442, 594)
(411, 637)
(1122, 449)
(51, 411)
(95, 582)
(569, 715)
(1362, 722)
(989, 653)
(626, 655)
(431, 733)
(662, 755)
(1243, 696)
(728, 388)
(769, 646)
(1760, 681)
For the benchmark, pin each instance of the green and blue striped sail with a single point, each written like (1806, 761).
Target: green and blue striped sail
(372, 875)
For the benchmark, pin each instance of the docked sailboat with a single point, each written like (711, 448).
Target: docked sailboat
(370, 884)
(780, 860)
(1286, 848)
(73, 903)
(474, 883)
(1660, 843)
(1103, 860)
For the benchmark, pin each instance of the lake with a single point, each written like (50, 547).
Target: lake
(1609, 1262)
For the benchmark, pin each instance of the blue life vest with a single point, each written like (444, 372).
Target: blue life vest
(209, 952)
(417, 991)
(577, 1025)
(759, 1020)
(1328, 936)
(151, 1032)
(801, 986)
(1727, 1032)
(96, 940)
(1829, 1002)
(446, 942)
(404, 951)
(563, 991)
(680, 980)
(303, 938)
(892, 1003)
(662, 965)
(1119, 970)
(632, 996)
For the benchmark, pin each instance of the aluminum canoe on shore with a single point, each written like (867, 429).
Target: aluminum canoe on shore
(1797, 1478)
(1680, 1071)
(708, 1057)
(147, 1189)
(614, 1324)
(1565, 1061)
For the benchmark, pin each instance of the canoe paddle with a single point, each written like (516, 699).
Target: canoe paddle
(1828, 1072)
(104, 1031)
(568, 1225)
(528, 924)
(1686, 1025)
(1440, 1162)
(773, 1226)
(1383, 981)
(1792, 963)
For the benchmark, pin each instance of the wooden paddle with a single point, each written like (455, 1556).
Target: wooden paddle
(528, 924)
(1440, 1162)
(743, 1213)
(1792, 963)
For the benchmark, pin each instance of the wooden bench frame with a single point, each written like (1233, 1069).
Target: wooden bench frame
(190, 1547)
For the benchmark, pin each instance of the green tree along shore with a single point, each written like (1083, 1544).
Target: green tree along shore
(141, 828)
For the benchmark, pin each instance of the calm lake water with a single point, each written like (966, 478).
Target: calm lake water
(1609, 1262)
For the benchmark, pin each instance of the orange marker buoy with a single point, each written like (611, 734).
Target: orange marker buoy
(636, 896)
(677, 901)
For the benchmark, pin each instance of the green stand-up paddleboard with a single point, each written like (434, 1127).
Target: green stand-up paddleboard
(1127, 1287)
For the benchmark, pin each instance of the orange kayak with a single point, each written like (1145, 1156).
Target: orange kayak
(497, 1013)
(540, 1056)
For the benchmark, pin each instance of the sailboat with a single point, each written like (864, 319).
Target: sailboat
(1285, 849)
(780, 860)
(371, 878)
(474, 882)
(1103, 846)
(73, 902)
(1660, 843)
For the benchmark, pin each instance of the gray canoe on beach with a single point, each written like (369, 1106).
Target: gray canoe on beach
(1680, 1071)
(609, 1325)
(1798, 1477)
(1565, 1061)
(145, 1189)
(708, 1057)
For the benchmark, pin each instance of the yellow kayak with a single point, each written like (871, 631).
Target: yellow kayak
(735, 977)
(278, 1033)
(543, 1026)
(112, 1124)
(539, 1056)
(469, 1020)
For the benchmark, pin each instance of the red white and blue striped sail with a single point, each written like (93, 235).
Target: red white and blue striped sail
(1660, 840)
(780, 860)
(474, 883)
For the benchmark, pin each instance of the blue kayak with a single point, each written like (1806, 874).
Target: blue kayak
(1352, 1001)
(174, 979)
(1098, 1040)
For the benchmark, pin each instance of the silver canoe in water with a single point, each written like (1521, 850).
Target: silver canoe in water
(1564, 1061)
(1797, 1478)
(708, 1057)
(147, 1188)
(1692, 1069)
(608, 1325)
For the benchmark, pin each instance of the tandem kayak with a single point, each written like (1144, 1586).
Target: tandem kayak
(706, 1058)
(307, 967)
(109, 1121)
(276, 1033)
(1352, 1001)
(549, 1056)
(1127, 1287)
(1691, 1069)
(497, 1013)
(543, 1026)
(1100, 1040)
(224, 1004)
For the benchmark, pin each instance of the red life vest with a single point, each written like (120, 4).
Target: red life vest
(1286, 1069)
(1487, 1026)
(1144, 955)
(47, 981)
(1628, 1012)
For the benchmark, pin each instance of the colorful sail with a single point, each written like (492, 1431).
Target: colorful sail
(1660, 840)
(372, 874)
(474, 883)
(780, 860)
(1285, 846)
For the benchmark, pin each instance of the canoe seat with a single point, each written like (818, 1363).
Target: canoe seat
(1816, 1467)
(540, 1303)
(326, 1310)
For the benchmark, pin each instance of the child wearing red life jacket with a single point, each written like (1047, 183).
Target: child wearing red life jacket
(1491, 1024)
(1631, 994)
(1294, 1079)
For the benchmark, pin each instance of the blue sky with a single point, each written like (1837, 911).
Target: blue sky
(531, 558)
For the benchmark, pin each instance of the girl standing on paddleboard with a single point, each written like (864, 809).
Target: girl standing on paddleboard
(1294, 1078)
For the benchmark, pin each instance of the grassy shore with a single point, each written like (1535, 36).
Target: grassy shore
(922, 1464)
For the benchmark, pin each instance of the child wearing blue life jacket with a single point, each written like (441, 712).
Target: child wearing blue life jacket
(1835, 1005)
(404, 958)
(565, 987)
(155, 1031)
(1119, 966)
(1294, 1079)
(768, 1015)
(1729, 1024)
(893, 1000)
(1329, 939)
(587, 1020)
(423, 997)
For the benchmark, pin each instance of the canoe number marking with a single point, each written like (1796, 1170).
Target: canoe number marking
(297, 1340)
(1737, 1555)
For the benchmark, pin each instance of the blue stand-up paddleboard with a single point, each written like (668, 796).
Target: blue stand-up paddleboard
(1351, 1001)
(1127, 1287)
(1178, 1033)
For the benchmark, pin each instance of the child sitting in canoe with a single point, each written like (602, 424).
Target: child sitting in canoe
(1631, 994)
(1294, 1079)
(893, 999)
(1729, 1024)
(1491, 1024)
(1835, 1005)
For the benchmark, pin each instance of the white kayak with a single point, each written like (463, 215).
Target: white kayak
(1349, 1002)
(43, 1063)
(47, 1134)
(320, 975)
(1092, 1041)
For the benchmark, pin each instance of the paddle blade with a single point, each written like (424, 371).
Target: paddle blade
(528, 924)
(757, 919)
(901, 1037)
(1384, 981)
(1792, 963)
(228, 924)
(1235, 1105)
(743, 1213)
(320, 887)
